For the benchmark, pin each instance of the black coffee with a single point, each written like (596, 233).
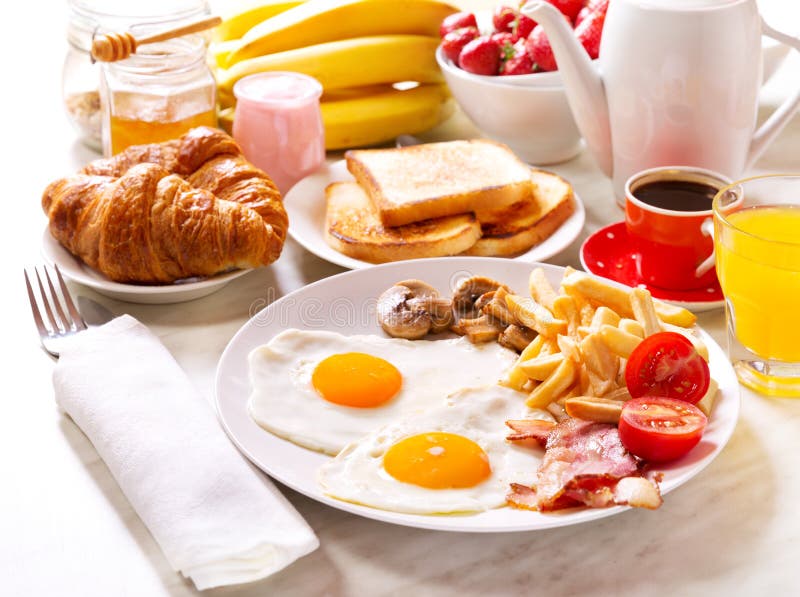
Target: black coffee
(677, 195)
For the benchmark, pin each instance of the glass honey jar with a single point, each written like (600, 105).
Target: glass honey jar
(157, 94)
(80, 83)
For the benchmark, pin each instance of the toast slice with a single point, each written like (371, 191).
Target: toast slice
(432, 180)
(353, 228)
(515, 229)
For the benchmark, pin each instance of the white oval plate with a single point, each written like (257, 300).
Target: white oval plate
(346, 303)
(305, 205)
(179, 292)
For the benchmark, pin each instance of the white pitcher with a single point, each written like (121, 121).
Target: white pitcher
(677, 84)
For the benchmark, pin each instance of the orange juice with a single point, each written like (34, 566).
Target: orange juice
(758, 264)
(132, 131)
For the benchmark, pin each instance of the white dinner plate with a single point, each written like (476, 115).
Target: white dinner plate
(305, 206)
(346, 303)
(178, 292)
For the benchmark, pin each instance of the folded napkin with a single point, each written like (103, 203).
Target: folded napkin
(217, 520)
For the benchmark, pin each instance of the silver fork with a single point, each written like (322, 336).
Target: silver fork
(61, 323)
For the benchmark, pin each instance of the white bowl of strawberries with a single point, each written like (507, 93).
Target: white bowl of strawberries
(501, 71)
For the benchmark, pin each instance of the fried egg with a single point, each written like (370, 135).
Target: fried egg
(323, 390)
(452, 458)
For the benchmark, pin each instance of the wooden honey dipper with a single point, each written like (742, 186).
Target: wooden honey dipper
(118, 46)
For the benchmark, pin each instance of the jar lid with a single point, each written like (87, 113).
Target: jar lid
(277, 88)
(156, 10)
(141, 17)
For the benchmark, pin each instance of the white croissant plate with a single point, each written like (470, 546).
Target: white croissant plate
(305, 206)
(178, 292)
(345, 303)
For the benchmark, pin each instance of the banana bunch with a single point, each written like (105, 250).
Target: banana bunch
(375, 60)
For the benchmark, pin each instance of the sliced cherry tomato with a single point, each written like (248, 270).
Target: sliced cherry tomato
(659, 429)
(666, 364)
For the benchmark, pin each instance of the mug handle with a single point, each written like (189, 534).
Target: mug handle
(707, 228)
(778, 119)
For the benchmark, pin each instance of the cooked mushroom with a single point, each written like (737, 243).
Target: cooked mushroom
(427, 298)
(497, 307)
(481, 329)
(484, 300)
(411, 309)
(516, 337)
(470, 290)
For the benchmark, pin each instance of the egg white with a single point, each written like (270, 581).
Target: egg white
(284, 402)
(357, 474)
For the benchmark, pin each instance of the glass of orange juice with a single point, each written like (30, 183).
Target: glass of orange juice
(757, 240)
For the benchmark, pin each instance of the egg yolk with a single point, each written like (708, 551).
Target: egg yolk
(356, 379)
(437, 461)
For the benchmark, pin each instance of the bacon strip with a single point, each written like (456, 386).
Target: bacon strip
(530, 429)
(584, 464)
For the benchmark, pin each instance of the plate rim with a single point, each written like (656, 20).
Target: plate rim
(577, 220)
(432, 522)
(72, 268)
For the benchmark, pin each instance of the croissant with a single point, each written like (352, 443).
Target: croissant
(158, 213)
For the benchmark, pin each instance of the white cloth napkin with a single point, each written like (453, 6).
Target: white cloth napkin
(217, 520)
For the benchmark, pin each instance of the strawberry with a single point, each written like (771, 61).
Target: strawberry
(538, 48)
(582, 14)
(569, 8)
(481, 56)
(519, 64)
(503, 18)
(522, 27)
(457, 20)
(454, 42)
(590, 31)
(503, 38)
(591, 7)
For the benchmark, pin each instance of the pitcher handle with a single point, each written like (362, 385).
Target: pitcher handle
(778, 119)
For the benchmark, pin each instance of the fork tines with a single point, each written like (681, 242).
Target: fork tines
(62, 315)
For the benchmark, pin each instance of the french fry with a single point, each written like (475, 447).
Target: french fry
(591, 408)
(532, 349)
(540, 289)
(555, 409)
(564, 308)
(706, 403)
(644, 311)
(600, 360)
(584, 382)
(698, 344)
(577, 283)
(604, 316)
(569, 348)
(554, 386)
(535, 316)
(621, 393)
(631, 326)
(498, 309)
(541, 367)
(619, 342)
(516, 377)
(587, 311)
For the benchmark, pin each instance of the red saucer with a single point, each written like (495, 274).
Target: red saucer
(608, 253)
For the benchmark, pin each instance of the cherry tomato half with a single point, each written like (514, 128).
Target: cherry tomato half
(659, 429)
(666, 364)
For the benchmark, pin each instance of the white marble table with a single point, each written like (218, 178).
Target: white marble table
(66, 529)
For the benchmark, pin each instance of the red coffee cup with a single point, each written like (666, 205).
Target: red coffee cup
(670, 225)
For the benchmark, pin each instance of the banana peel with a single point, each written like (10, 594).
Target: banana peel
(318, 21)
(239, 17)
(346, 63)
(370, 116)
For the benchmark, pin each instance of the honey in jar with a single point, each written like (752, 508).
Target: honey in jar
(157, 94)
